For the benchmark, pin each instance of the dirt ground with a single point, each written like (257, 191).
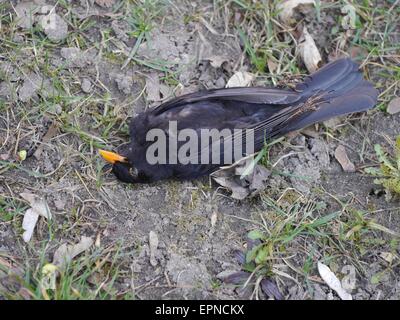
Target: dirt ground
(71, 90)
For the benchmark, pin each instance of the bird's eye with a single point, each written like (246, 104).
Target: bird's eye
(133, 171)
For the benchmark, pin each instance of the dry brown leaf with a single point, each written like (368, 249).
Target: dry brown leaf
(240, 79)
(394, 106)
(286, 9)
(38, 204)
(217, 61)
(309, 52)
(65, 253)
(105, 3)
(343, 159)
(232, 179)
(38, 208)
(46, 138)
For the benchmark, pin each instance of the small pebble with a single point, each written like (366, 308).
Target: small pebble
(86, 85)
(18, 38)
(55, 28)
(58, 109)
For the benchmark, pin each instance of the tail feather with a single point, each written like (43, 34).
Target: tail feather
(330, 77)
(343, 89)
(345, 85)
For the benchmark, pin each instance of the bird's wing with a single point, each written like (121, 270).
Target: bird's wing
(317, 108)
(256, 95)
(263, 131)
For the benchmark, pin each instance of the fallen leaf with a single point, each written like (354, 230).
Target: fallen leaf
(153, 244)
(343, 159)
(270, 288)
(242, 186)
(394, 106)
(387, 256)
(237, 191)
(65, 253)
(233, 277)
(240, 256)
(286, 9)
(217, 61)
(38, 208)
(240, 79)
(38, 204)
(29, 223)
(46, 138)
(332, 281)
(105, 3)
(309, 52)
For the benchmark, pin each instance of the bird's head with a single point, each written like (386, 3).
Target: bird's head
(121, 166)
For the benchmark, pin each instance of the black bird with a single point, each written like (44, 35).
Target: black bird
(336, 89)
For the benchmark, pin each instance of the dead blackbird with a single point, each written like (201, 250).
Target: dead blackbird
(336, 89)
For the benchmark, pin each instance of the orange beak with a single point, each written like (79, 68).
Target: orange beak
(112, 157)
